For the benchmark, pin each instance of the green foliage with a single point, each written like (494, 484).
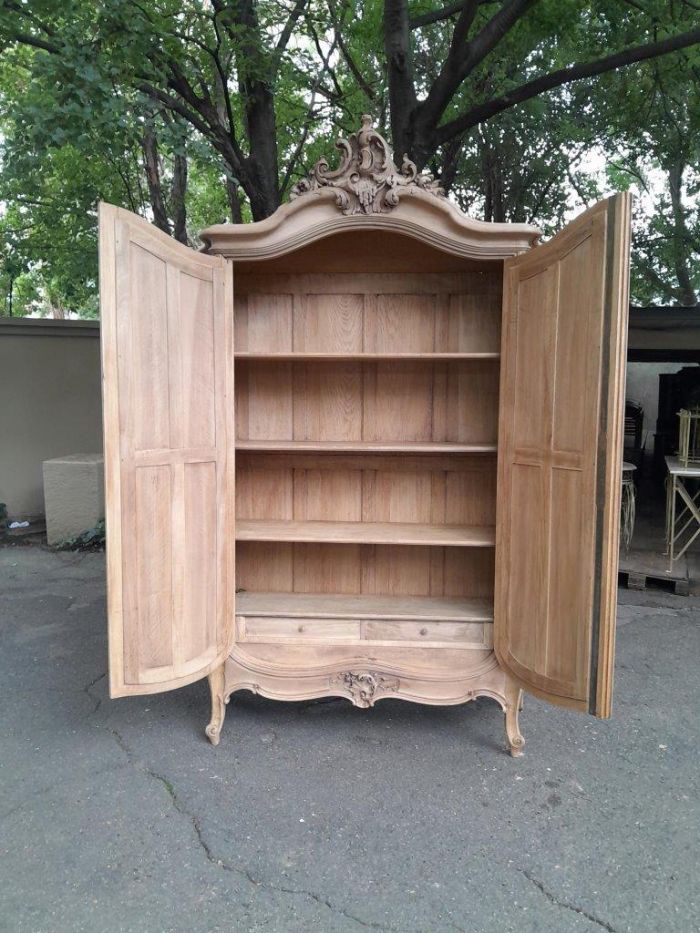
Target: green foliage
(82, 82)
(654, 149)
(91, 540)
(55, 166)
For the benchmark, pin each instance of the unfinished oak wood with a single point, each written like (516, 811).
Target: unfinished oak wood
(341, 606)
(402, 401)
(420, 216)
(404, 533)
(368, 316)
(386, 633)
(373, 389)
(377, 570)
(167, 363)
(365, 357)
(364, 447)
(562, 395)
(405, 458)
(311, 619)
(302, 486)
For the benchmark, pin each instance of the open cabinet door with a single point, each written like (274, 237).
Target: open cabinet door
(167, 379)
(560, 451)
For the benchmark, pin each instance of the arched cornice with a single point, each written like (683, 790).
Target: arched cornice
(368, 192)
(315, 215)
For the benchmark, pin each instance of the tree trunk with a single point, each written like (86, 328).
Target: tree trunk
(234, 201)
(259, 179)
(450, 164)
(155, 188)
(685, 291)
(494, 202)
(177, 198)
(402, 93)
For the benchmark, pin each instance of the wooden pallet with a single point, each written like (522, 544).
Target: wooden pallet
(640, 569)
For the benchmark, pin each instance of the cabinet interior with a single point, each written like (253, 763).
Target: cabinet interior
(366, 389)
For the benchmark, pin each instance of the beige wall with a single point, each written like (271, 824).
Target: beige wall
(49, 403)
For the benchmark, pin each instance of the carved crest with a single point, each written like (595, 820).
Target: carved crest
(367, 181)
(362, 685)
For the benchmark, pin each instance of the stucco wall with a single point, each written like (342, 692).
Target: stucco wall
(49, 404)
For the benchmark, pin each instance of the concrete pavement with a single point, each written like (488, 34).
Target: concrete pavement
(119, 815)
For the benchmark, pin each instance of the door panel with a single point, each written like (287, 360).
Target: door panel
(167, 368)
(560, 458)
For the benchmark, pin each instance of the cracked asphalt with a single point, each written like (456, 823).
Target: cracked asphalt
(119, 815)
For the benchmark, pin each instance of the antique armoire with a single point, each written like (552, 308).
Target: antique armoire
(367, 448)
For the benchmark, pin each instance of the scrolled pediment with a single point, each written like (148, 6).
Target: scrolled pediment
(368, 192)
(367, 180)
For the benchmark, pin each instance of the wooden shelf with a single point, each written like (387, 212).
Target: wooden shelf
(365, 447)
(332, 606)
(363, 357)
(366, 533)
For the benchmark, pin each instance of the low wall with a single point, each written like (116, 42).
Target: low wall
(50, 403)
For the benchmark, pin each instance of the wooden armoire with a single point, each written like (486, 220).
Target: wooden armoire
(367, 448)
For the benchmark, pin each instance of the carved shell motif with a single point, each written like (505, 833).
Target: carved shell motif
(367, 181)
(363, 685)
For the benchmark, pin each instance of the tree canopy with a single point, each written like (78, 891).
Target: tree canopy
(198, 111)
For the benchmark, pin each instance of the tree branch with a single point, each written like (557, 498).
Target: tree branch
(327, 67)
(463, 57)
(286, 33)
(355, 71)
(338, 24)
(564, 76)
(402, 89)
(25, 38)
(28, 14)
(151, 163)
(446, 12)
(172, 103)
(222, 74)
(680, 240)
(299, 148)
(437, 16)
(487, 38)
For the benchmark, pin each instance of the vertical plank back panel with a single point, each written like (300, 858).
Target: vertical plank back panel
(562, 394)
(167, 351)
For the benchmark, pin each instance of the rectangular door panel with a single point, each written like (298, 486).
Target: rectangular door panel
(167, 361)
(560, 453)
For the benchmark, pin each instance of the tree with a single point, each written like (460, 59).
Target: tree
(60, 153)
(525, 166)
(499, 59)
(250, 76)
(196, 111)
(217, 67)
(655, 145)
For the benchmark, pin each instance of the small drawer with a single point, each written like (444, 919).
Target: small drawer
(456, 634)
(274, 630)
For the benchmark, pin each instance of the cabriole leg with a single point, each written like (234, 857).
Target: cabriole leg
(218, 705)
(514, 701)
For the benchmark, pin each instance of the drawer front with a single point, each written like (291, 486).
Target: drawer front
(276, 630)
(387, 633)
(454, 634)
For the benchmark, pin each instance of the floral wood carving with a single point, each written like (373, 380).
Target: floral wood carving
(367, 180)
(362, 685)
